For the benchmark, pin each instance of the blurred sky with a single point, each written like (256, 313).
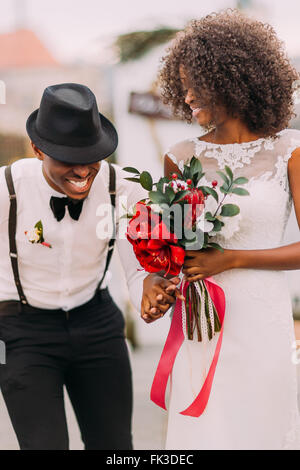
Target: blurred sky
(70, 27)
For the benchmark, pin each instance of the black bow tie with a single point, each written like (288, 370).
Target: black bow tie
(58, 207)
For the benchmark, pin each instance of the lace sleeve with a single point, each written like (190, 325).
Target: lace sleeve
(281, 173)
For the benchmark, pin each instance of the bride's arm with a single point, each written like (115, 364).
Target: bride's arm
(170, 167)
(286, 257)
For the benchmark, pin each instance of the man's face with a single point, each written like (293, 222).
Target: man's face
(74, 181)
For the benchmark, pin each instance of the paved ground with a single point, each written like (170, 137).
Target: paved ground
(149, 421)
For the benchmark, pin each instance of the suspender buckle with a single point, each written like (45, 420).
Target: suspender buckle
(12, 196)
(13, 255)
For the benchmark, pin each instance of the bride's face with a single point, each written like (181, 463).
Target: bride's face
(201, 110)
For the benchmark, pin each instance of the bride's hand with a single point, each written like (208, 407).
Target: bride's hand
(205, 263)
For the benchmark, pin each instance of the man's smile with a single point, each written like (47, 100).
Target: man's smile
(81, 185)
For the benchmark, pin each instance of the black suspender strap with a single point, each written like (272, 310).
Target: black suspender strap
(112, 192)
(12, 226)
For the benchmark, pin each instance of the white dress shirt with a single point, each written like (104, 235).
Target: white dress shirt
(66, 275)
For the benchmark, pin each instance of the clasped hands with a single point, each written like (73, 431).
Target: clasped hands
(160, 293)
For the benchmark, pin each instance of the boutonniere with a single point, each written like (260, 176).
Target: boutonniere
(36, 234)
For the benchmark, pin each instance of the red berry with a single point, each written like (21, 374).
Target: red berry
(174, 176)
(189, 182)
(214, 183)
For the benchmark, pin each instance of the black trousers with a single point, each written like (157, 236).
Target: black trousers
(84, 350)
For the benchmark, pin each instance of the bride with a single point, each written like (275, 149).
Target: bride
(231, 74)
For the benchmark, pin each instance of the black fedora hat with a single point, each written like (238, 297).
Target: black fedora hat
(68, 126)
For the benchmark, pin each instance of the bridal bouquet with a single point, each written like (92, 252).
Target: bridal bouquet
(174, 219)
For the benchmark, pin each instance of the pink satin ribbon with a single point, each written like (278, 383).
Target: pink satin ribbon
(173, 343)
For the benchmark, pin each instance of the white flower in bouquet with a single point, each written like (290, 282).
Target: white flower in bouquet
(203, 224)
(178, 185)
(232, 225)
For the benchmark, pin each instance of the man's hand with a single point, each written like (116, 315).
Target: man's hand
(158, 295)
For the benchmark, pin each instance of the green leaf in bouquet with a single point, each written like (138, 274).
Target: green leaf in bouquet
(135, 180)
(146, 180)
(197, 177)
(218, 225)
(224, 178)
(229, 210)
(240, 180)
(130, 169)
(180, 195)
(216, 246)
(160, 184)
(208, 190)
(209, 216)
(229, 173)
(224, 189)
(200, 175)
(195, 166)
(240, 191)
(187, 174)
(157, 197)
(170, 195)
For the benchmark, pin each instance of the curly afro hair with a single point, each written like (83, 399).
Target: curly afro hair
(235, 62)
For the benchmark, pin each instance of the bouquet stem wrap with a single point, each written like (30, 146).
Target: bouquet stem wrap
(173, 343)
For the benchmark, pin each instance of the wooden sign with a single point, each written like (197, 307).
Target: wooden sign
(150, 105)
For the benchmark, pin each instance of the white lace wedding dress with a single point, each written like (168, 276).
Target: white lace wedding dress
(253, 401)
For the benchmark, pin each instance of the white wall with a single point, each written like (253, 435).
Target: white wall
(137, 148)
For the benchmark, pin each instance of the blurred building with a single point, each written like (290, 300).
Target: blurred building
(27, 68)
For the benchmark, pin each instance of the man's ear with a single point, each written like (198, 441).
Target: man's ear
(37, 152)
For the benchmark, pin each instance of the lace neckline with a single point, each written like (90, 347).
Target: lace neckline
(236, 144)
(235, 155)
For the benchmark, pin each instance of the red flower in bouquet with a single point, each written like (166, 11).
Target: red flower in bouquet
(154, 245)
(195, 198)
(140, 224)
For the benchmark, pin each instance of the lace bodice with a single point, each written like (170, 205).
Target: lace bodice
(263, 214)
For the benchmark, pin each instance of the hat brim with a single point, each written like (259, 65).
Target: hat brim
(106, 145)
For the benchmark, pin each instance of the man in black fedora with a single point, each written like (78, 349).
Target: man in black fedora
(57, 318)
